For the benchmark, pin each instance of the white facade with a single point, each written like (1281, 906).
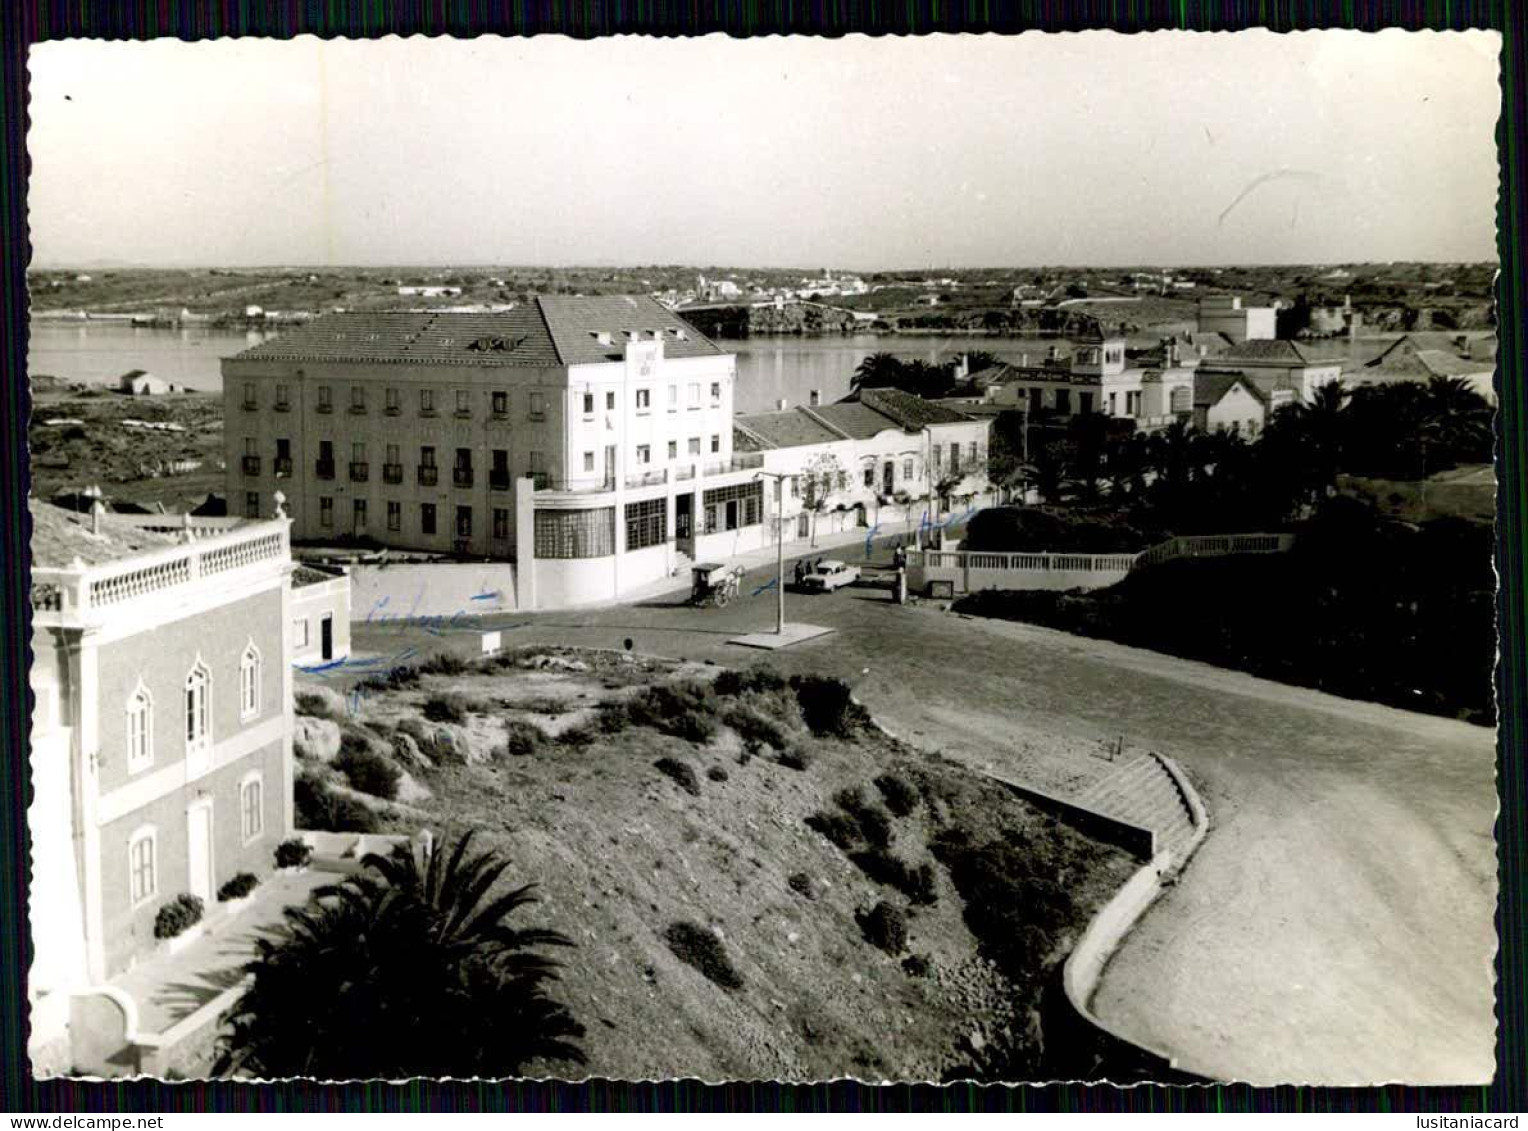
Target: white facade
(1096, 379)
(1225, 314)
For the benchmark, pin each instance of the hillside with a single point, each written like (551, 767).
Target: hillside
(737, 881)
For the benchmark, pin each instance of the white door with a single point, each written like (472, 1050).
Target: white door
(199, 851)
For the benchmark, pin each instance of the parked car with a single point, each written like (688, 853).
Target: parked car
(829, 576)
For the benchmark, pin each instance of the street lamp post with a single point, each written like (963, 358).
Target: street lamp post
(779, 478)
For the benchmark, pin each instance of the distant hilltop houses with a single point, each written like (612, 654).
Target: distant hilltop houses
(807, 288)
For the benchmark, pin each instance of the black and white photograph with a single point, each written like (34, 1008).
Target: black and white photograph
(903, 559)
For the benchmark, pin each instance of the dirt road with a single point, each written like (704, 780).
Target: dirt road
(1337, 926)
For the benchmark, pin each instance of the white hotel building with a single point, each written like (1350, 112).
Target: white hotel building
(587, 440)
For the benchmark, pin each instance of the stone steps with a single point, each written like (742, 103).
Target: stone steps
(1143, 793)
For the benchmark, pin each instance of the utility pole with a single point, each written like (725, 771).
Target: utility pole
(779, 478)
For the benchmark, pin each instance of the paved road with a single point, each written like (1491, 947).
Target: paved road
(1336, 926)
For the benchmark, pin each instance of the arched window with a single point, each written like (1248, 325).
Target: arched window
(198, 715)
(142, 864)
(249, 682)
(251, 807)
(140, 729)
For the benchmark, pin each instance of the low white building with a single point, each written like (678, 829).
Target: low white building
(1225, 314)
(1277, 366)
(1229, 402)
(139, 383)
(886, 457)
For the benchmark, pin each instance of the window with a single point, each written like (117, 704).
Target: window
(357, 398)
(740, 505)
(324, 403)
(716, 392)
(644, 400)
(251, 809)
(907, 469)
(249, 683)
(427, 457)
(1063, 400)
(694, 394)
(325, 511)
(1132, 404)
(588, 404)
(251, 504)
(938, 458)
(283, 401)
(673, 449)
(249, 394)
(463, 403)
(537, 462)
(140, 730)
(795, 486)
(716, 443)
(427, 518)
(644, 453)
(464, 522)
(588, 461)
(673, 401)
(426, 402)
(1113, 404)
(538, 406)
(869, 475)
(394, 456)
(143, 879)
(392, 402)
(300, 633)
(646, 523)
(198, 712)
(971, 453)
(394, 516)
(575, 534)
(358, 452)
(954, 459)
(610, 402)
(250, 448)
(358, 515)
(464, 459)
(500, 524)
(1084, 402)
(695, 445)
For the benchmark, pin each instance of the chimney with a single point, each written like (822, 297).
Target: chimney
(814, 398)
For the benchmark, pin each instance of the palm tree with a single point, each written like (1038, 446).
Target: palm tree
(877, 371)
(405, 969)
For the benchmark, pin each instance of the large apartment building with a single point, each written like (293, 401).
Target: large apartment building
(588, 440)
(161, 741)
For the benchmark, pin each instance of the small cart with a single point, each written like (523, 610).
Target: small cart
(715, 584)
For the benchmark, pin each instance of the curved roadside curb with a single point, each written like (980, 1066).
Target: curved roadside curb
(1084, 967)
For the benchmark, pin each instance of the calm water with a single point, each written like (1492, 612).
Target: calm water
(769, 369)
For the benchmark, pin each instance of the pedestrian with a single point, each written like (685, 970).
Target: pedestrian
(800, 570)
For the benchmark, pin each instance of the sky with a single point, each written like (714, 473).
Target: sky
(1170, 148)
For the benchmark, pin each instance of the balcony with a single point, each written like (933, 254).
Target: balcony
(325, 407)
(498, 479)
(537, 415)
(588, 485)
(461, 476)
(428, 412)
(429, 476)
(749, 462)
(357, 410)
(647, 478)
(249, 406)
(250, 465)
(324, 468)
(392, 473)
(392, 410)
(464, 414)
(283, 467)
(359, 472)
(282, 406)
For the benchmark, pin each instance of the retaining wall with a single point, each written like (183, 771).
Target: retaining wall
(1140, 842)
(403, 591)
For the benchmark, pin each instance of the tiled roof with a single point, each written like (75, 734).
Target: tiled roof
(1267, 349)
(306, 575)
(552, 331)
(856, 419)
(908, 409)
(1209, 388)
(790, 429)
(1403, 357)
(60, 536)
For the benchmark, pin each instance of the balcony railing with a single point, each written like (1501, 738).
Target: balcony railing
(647, 478)
(325, 407)
(282, 406)
(392, 410)
(392, 473)
(430, 412)
(499, 479)
(324, 468)
(359, 472)
(249, 406)
(283, 467)
(461, 476)
(429, 476)
(587, 485)
(251, 465)
(745, 462)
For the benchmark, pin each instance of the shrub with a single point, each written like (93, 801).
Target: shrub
(884, 926)
(916, 966)
(1013, 902)
(839, 829)
(884, 868)
(238, 887)
(521, 738)
(716, 773)
(293, 853)
(320, 808)
(443, 663)
(180, 914)
(873, 823)
(577, 736)
(316, 706)
(450, 708)
(367, 770)
(698, 947)
(795, 758)
(755, 728)
(827, 705)
(611, 718)
(730, 682)
(801, 884)
(685, 709)
(682, 773)
(900, 797)
(394, 679)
